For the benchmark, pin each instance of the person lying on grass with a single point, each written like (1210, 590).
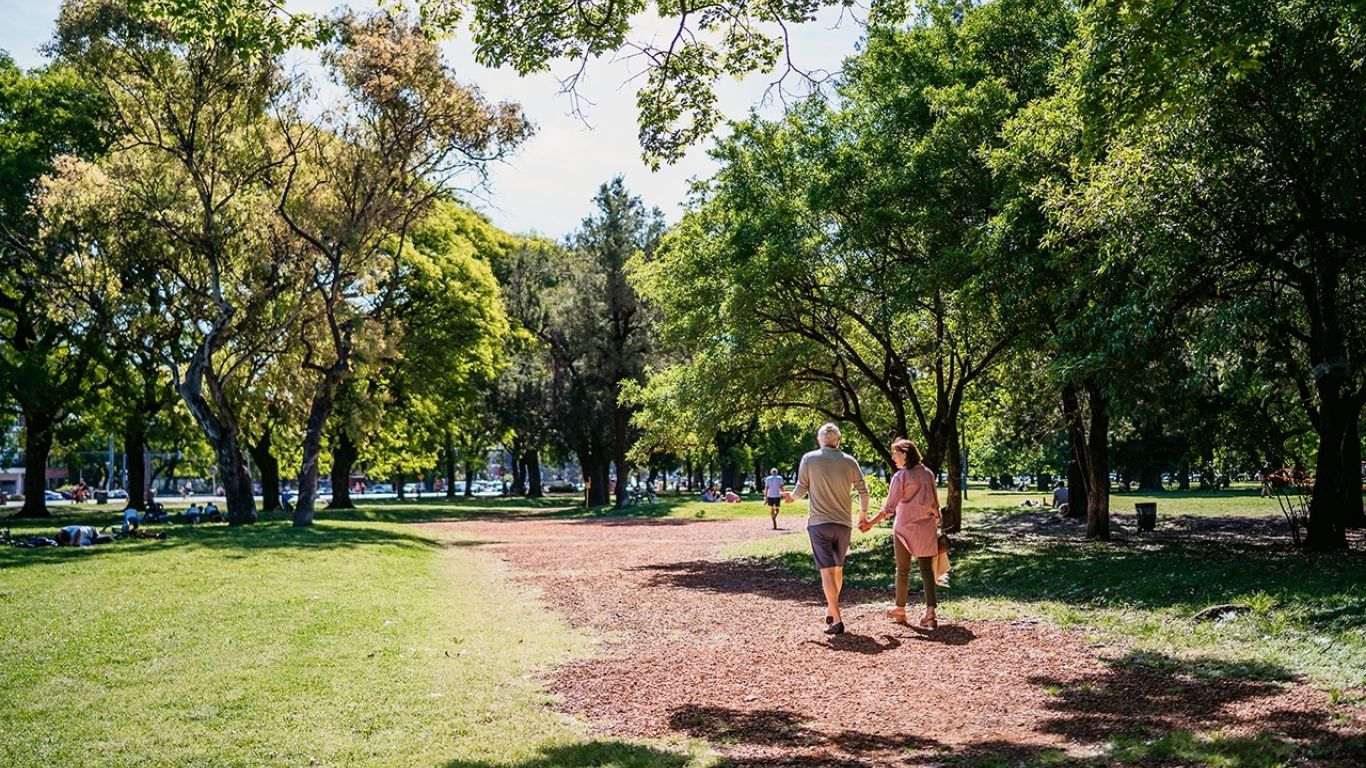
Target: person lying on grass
(80, 536)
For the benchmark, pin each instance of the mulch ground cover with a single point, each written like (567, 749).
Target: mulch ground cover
(732, 652)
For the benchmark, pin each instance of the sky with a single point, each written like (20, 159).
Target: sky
(547, 186)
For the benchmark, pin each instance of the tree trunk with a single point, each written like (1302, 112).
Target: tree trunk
(344, 455)
(399, 481)
(448, 459)
(1090, 445)
(1356, 509)
(37, 448)
(1098, 465)
(1150, 479)
(318, 412)
(469, 478)
(135, 457)
(619, 417)
(532, 462)
(220, 430)
(269, 467)
(518, 486)
(953, 517)
(1183, 476)
(1076, 485)
(1336, 499)
(595, 476)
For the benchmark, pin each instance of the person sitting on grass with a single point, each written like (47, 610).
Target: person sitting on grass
(192, 514)
(211, 512)
(709, 495)
(732, 497)
(130, 519)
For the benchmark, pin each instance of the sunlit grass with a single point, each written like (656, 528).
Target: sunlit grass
(350, 643)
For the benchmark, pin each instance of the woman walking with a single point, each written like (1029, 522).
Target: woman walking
(914, 498)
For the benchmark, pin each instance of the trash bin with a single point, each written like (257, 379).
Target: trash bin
(101, 497)
(1147, 515)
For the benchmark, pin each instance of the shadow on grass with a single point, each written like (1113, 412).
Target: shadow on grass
(1139, 710)
(238, 541)
(1219, 561)
(594, 754)
(1148, 706)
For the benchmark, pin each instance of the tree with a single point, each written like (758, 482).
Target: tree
(526, 273)
(870, 219)
(189, 95)
(599, 336)
(359, 177)
(1234, 148)
(51, 328)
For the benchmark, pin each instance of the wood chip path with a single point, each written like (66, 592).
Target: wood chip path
(732, 652)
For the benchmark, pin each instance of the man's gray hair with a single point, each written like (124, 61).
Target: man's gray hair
(828, 436)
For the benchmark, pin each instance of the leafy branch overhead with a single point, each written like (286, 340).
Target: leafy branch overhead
(701, 45)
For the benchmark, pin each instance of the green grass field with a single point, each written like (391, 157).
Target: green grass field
(357, 642)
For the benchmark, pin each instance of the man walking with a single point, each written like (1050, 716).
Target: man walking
(773, 494)
(826, 475)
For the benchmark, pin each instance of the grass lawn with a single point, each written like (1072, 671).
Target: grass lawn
(1305, 617)
(357, 642)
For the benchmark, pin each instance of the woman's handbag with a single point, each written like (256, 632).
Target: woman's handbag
(943, 543)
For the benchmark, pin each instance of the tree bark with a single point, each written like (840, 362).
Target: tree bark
(620, 414)
(1098, 464)
(532, 462)
(1076, 484)
(37, 448)
(269, 467)
(344, 455)
(219, 424)
(448, 459)
(518, 486)
(595, 476)
(318, 412)
(469, 478)
(1088, 433)
(1336, 499)
(135, 456)
(953, 517)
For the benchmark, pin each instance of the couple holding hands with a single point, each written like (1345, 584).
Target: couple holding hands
(826, 476)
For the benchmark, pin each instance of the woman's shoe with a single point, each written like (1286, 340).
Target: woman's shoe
(898, 615)
(835, 629)
(929, 620)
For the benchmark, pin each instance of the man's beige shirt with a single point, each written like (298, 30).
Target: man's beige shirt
(826, 475)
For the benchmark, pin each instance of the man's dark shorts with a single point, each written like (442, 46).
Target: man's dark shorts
(829, 542)
(774, 501)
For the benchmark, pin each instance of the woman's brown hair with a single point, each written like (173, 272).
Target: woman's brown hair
(907, 447)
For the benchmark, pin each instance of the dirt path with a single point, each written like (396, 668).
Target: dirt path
(733, 653)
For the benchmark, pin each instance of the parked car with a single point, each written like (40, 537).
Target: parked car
(380, 488)
(53, 496)
(118, 493)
